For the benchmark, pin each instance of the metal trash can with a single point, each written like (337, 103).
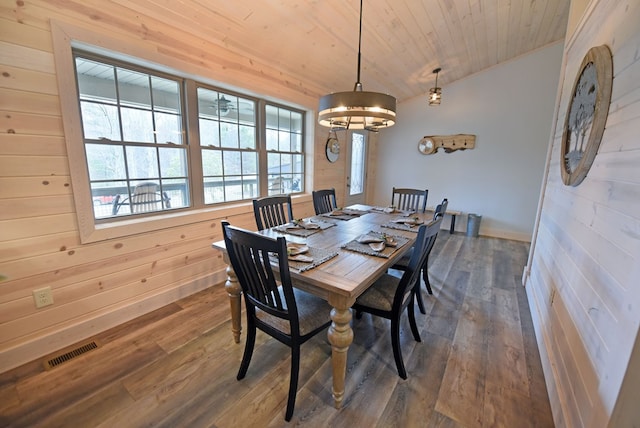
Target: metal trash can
(473, 224)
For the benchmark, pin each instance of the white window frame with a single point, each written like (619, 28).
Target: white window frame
(67, 37)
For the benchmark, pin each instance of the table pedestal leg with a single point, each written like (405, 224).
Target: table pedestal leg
(340, 336)
(233, 289)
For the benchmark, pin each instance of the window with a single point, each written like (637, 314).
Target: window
(285, 159)
(358, 162)
(143, 158)
(229, 151)
(134, 144)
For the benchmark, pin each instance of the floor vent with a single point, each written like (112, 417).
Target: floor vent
(67, 356)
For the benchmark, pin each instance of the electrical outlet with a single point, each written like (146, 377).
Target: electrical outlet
(43, 297)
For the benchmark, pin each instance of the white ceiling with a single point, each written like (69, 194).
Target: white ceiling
(403, 41)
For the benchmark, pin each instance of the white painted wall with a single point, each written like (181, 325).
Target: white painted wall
(509, 108)
(583, 275)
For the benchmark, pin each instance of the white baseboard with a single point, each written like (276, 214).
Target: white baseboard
(96, 323)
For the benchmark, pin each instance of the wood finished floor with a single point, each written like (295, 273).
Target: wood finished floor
(477, 365)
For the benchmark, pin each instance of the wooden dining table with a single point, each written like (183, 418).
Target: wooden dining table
(339, 280)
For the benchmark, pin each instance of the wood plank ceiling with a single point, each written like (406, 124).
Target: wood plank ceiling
(316, 41)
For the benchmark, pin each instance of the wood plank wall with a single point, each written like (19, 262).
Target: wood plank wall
(99, 285)
(584, 267)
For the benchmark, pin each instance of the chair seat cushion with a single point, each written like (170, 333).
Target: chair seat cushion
(313, 312)
(380, 294)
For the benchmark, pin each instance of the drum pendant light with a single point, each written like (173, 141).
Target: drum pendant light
(357, 109)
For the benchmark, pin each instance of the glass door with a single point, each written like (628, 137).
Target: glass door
(356, 169)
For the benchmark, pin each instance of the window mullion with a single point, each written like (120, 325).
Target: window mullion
(261, 134)
(193, 143)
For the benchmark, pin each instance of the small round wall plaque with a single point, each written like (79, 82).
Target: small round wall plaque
(332, 149)
(586, 115)
(427, 146)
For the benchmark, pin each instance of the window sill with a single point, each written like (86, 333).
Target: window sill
(125, 228)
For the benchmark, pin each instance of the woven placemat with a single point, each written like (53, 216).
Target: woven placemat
(348, 214)
(291, 229)
(356, 246)
(405, 213)
(319, 255)
(402, 226)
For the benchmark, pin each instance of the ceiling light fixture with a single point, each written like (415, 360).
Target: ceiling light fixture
(357, 109)
(224, 106)
(435, 94)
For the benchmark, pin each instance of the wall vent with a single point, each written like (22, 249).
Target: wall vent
(67, 356)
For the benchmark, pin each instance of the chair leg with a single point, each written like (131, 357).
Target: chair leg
(395, 344)
(425, 276)
(412, 321)
(248, 350)
(293, 381)
(418, 294)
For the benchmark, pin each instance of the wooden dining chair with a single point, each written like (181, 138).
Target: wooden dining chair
(272, 211)
(146, 197)
(324, 201)
(389, 295)
(404, 261)
(288, 314)
(409, 199)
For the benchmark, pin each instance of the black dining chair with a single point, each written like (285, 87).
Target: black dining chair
(324, 201)
(389, 295)
(288, 314)
(410, 199)
(272, 211)
(404, 261)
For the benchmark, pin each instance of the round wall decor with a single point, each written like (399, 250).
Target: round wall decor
(586, 115)
(332, 149)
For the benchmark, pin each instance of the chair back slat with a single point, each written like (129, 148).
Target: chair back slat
(324, 201)
(249, 255)
(272, 211)
(410, 199)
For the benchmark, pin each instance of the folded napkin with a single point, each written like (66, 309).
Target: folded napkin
(367, 239)
(294, 249)
(304, 229)
(376, 244)
(301, 258)
(303, 224)
(311, 258)
(407, 220)
(392, 210)
(344, 214)
(402, 226)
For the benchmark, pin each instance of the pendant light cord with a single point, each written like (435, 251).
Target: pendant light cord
(358, 85)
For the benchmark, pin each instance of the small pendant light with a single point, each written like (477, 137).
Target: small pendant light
(435, 94)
